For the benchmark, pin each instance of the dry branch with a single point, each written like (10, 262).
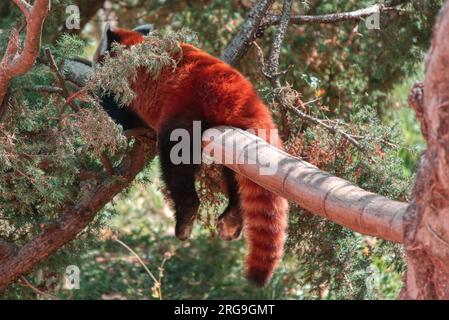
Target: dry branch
(317, 191)
(272, 73)
(331, 18)
(61, 80)
(240, 43)
(42, 89)
(22, 260)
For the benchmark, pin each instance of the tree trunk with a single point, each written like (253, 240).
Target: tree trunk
(426, 232)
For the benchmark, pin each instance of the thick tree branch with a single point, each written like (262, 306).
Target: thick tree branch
(239, 45)
(331, 18)
(24, 6)
(43, 89)
(6, 249)
(13, 63)
(78, 71)
(314, 190)
(74, 219)
(427, 219)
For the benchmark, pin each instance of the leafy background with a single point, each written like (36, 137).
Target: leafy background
(358, 77)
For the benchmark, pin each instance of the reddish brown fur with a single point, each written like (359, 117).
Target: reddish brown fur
(204, 87)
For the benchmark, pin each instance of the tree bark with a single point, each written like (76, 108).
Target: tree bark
(317, 191)
(423, 226)
(331, 18)
(427, 219)
(15, 63)
(247, 33)
(16, 262)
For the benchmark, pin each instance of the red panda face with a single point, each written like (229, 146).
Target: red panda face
(124, 37)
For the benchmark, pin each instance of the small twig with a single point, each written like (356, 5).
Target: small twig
(416, 102)
(272, 73)
(321, 123)
(381, 140)
(331, 18)
(41, 88)
(161, 273)
(240, 43)
(157, 284)
(40, 292)
(311, 101)
(261, 58)
(61, 80)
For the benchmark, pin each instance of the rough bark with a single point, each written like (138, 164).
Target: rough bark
(427, 219)
(356, 15)
(15, 62)
(317, 191)
(247, 33)
(16, 262)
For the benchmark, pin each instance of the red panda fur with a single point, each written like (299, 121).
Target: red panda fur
(204, 87)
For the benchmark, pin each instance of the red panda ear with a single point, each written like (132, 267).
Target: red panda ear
(144, 29)
(105, 45)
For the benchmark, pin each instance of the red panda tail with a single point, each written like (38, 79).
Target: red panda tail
(265, 218)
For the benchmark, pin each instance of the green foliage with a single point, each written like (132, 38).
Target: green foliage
(359, 62)
(337, 263)
(44, 146)
(156, 53)
(201, 268)
(355, 78)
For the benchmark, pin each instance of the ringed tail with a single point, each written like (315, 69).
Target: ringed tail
(265, 217)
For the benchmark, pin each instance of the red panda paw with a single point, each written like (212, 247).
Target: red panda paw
(183, 231)
(230, 224)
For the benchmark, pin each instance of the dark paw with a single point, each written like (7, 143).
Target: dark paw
(185, 216)
(229, 227)
(183, 231)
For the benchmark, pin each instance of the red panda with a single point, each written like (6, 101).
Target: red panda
(204, 88)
